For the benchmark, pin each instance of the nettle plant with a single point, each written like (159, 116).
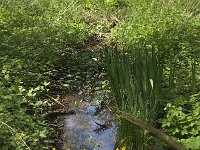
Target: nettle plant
(183, 121)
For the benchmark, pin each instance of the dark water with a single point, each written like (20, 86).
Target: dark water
(91, 128)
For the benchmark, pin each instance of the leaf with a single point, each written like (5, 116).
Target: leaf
(66, 85)
(46, 83)
(6, 76)
(2, 107)
(42, 134)
(151, 82)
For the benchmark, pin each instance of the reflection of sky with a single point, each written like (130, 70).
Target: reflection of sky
(80, 131)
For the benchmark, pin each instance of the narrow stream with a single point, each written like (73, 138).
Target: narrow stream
(91, 128)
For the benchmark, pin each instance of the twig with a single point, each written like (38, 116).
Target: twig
(54, 100)
(12, 130)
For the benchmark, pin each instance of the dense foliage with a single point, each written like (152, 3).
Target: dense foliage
(20, 110)
(155, 61)
(39, 47)
(151, 50)
(182, 121)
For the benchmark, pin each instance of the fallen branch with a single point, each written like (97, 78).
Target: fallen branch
(152, 131)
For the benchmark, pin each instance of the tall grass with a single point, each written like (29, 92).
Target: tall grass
(135, 79)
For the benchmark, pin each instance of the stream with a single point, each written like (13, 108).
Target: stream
(91, 128)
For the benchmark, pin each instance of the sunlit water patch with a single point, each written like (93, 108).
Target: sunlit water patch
(92, 127)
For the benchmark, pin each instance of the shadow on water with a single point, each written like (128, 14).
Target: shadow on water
(92, 127)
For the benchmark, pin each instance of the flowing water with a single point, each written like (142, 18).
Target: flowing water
(91, 128)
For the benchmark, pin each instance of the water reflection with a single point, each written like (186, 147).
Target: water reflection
(91, 128)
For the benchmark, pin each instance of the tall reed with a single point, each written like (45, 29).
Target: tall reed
(135, 77)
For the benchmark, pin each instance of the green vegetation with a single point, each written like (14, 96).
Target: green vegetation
(154, 61)
(146, 54)
(135, 85)
(41, 51)
(20, 110)
(182, 121)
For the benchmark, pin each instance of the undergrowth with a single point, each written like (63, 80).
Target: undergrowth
(57, 46)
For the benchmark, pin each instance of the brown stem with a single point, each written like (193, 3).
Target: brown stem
(55, 100)
(152, 131)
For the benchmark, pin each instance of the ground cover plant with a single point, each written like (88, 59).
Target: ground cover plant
(182, 121)
(145, 53)
(38, 49)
